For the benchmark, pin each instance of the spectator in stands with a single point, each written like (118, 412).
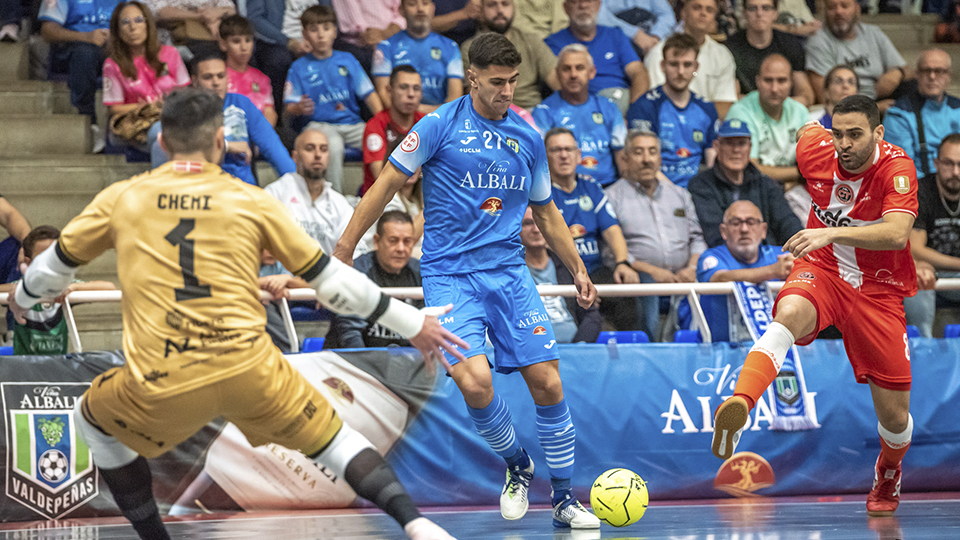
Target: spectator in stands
(716, 79)
(278, 38)
(364, 24)
(319, 209)
(934, 239)
(841, 81)
(139, 73)
(594, 226)
(436, 58)
(244, 126)
(735, 178)
(389, 265)
(774, 118)
(77, 32)
(743, 256)
(391, 124)
(846, 40)
(543, 267)
(327, 86)
(539, 65)
(236, 41)
(759, 39)
(683, 120)
(541, 17)
(620, 75)
(795, 18)
(456, 19)
(17, 228)
(45, 331)
(659, 223)
(929, 106)
(194, 24)
(645, 22)
(948, 29)
(276, 279)
(594, 119)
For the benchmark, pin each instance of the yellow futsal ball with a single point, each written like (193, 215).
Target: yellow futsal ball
(619, 497)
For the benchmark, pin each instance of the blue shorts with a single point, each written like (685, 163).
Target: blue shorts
(503, 303)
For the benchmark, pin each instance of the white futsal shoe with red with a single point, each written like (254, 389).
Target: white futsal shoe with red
(424, 529)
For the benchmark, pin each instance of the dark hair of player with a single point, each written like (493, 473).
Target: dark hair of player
(190, 119)
(318, 15)
(393, 216)
(235, 25)
(559, 130)
(203, 57)
(833, 71)
(681, 43)
(402, 68)
(953, 138)
(41, 232)
(493, 49)
(859, 104)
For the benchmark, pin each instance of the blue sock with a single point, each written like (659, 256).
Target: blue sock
(558, 439)
(495, 425)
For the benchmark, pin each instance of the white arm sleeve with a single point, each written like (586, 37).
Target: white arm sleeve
(346, 291)
(47, 277)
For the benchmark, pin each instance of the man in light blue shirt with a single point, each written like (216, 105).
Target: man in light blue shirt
(645, 22)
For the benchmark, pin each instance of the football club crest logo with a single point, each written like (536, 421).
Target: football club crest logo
(513, 144)
(411, 142)
(845, 194)
(597, 118)
(255, 87)
(49, 468)
(435, 53)
(697, 136)
(787, 389)
(586, 203)
(343, 71)
(901, 184)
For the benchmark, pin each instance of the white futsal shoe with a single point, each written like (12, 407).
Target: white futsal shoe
(424, 529)
(570, 513)
(514, 500)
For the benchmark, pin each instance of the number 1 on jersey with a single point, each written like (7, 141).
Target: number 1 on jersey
(192, 288)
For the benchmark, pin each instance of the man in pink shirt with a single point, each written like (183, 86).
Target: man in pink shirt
(363, 25)
(236, 41)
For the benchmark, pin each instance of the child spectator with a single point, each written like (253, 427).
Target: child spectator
(236, 41)
(327, 86)
(45, 331)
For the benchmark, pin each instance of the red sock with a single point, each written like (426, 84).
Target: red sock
(758, 372)
(891, 457)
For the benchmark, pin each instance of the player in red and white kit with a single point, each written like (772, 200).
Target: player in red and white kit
(853, 269)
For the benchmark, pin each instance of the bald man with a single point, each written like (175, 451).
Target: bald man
(742, 257)
(774, 118)
(939, 112)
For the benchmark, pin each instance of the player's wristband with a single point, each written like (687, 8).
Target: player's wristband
(622, 262)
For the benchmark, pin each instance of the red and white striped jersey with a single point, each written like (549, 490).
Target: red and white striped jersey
(841, 199)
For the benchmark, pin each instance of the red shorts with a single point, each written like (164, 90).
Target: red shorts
(873, 325)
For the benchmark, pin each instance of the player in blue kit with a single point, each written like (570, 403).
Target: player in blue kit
(595, 120)
(685, 122)
(436, 58)
(482, 166)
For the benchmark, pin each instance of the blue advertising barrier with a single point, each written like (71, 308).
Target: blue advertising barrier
(649, 408)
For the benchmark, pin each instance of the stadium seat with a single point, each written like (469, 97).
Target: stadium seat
(687, 336)
(306, 311)
(912, 331)
(6, 351)
(632, 336)
(312, 344)
(951, 331)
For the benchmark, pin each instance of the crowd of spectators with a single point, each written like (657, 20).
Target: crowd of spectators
(712, 93)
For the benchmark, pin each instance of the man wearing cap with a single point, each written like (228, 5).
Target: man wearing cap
(734, 178)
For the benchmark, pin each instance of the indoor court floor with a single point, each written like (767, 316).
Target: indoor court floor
(920, 517)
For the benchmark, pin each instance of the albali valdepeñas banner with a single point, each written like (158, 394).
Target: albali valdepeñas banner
(644, 407)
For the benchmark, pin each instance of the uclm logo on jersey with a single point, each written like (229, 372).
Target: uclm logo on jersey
(492, 206)
(577, 230)
(589, 162)
(539, 331)
(844, 194)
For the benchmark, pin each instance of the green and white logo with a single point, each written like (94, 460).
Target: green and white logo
(49, 469)
(788, 391)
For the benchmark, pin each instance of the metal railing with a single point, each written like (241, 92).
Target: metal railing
(692, 291)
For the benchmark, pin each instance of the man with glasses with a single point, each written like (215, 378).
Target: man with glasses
(933, 240)
(742, 257)
(758, 40)
(735, 178)
(930, 107)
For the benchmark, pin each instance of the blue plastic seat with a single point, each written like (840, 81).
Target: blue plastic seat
(352, 154)
(687, 336)
(312, 344)
(6, 351)
(912, 331)
(951, 331)
(631, 336)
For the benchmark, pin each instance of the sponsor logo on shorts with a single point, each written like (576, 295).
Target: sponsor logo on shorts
(539, 331)
(49, 469)
(806, 275)
(577, 230)
(844, 194)
(492, 206)
(744, 474)
(411, 142)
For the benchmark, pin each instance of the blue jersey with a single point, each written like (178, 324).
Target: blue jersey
(79, 15)
(243, 122)
(598, 126)
(478, 177)
(685, 134)
(717, 308)
(611, 51)
(435, 57)
(588, 213)
(336, 85)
